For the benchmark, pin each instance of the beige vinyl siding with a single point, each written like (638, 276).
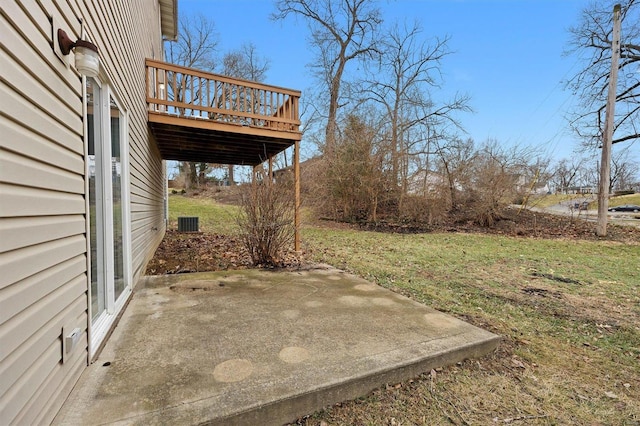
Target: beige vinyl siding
(125, 45)
(43, 284)
(43, 259)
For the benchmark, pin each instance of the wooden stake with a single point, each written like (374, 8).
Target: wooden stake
(605, 164)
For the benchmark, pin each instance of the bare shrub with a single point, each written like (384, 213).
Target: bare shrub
(420, 209)
(312, 181)
(266, 221)
(353, 180)
(179, 181)
(456, 180)
(494, 183)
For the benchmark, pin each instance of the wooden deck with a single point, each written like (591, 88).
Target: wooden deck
(205, 117)
(210, 118)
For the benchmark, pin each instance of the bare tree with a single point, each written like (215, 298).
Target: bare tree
(588, 176)
(409, 70)
(583, 175)
(495, 178)
(454, 163)
(565, 173)
(354, 175)
(624, 171)
(247, 64)
(591, 40)
(341, 31)
(196, 47)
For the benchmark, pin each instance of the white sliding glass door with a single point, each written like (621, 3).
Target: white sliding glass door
(107, 150)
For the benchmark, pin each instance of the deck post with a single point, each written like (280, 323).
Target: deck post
(296, 180)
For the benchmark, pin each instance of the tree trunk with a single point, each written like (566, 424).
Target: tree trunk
(193, 175)
(230, 174)
(332, 120)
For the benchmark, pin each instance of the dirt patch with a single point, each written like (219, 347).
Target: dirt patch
(553, 277)
(542, 292)
(593, 309)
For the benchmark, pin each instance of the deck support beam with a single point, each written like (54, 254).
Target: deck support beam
(296, 185)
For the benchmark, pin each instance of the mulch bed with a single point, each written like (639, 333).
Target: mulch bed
(181, 253)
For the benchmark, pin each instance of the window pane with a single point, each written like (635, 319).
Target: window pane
(98, 302)
(116, 182)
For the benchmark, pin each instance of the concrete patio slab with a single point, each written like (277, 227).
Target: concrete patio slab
(260, 347)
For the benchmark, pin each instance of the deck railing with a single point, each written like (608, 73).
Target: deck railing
(189, 93)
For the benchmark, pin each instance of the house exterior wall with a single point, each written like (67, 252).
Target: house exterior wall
(43, 209)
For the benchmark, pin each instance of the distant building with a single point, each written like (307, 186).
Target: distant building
(423, 182)
(580, 190)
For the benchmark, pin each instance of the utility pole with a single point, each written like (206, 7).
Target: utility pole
(605, 164)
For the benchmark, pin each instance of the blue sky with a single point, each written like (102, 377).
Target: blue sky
(508, 56)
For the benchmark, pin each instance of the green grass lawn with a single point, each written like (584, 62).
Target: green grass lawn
(568, 310)
(625, 199)
(549, 200)
(213, 217)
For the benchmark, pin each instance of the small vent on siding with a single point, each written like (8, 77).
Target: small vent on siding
(188, 224)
